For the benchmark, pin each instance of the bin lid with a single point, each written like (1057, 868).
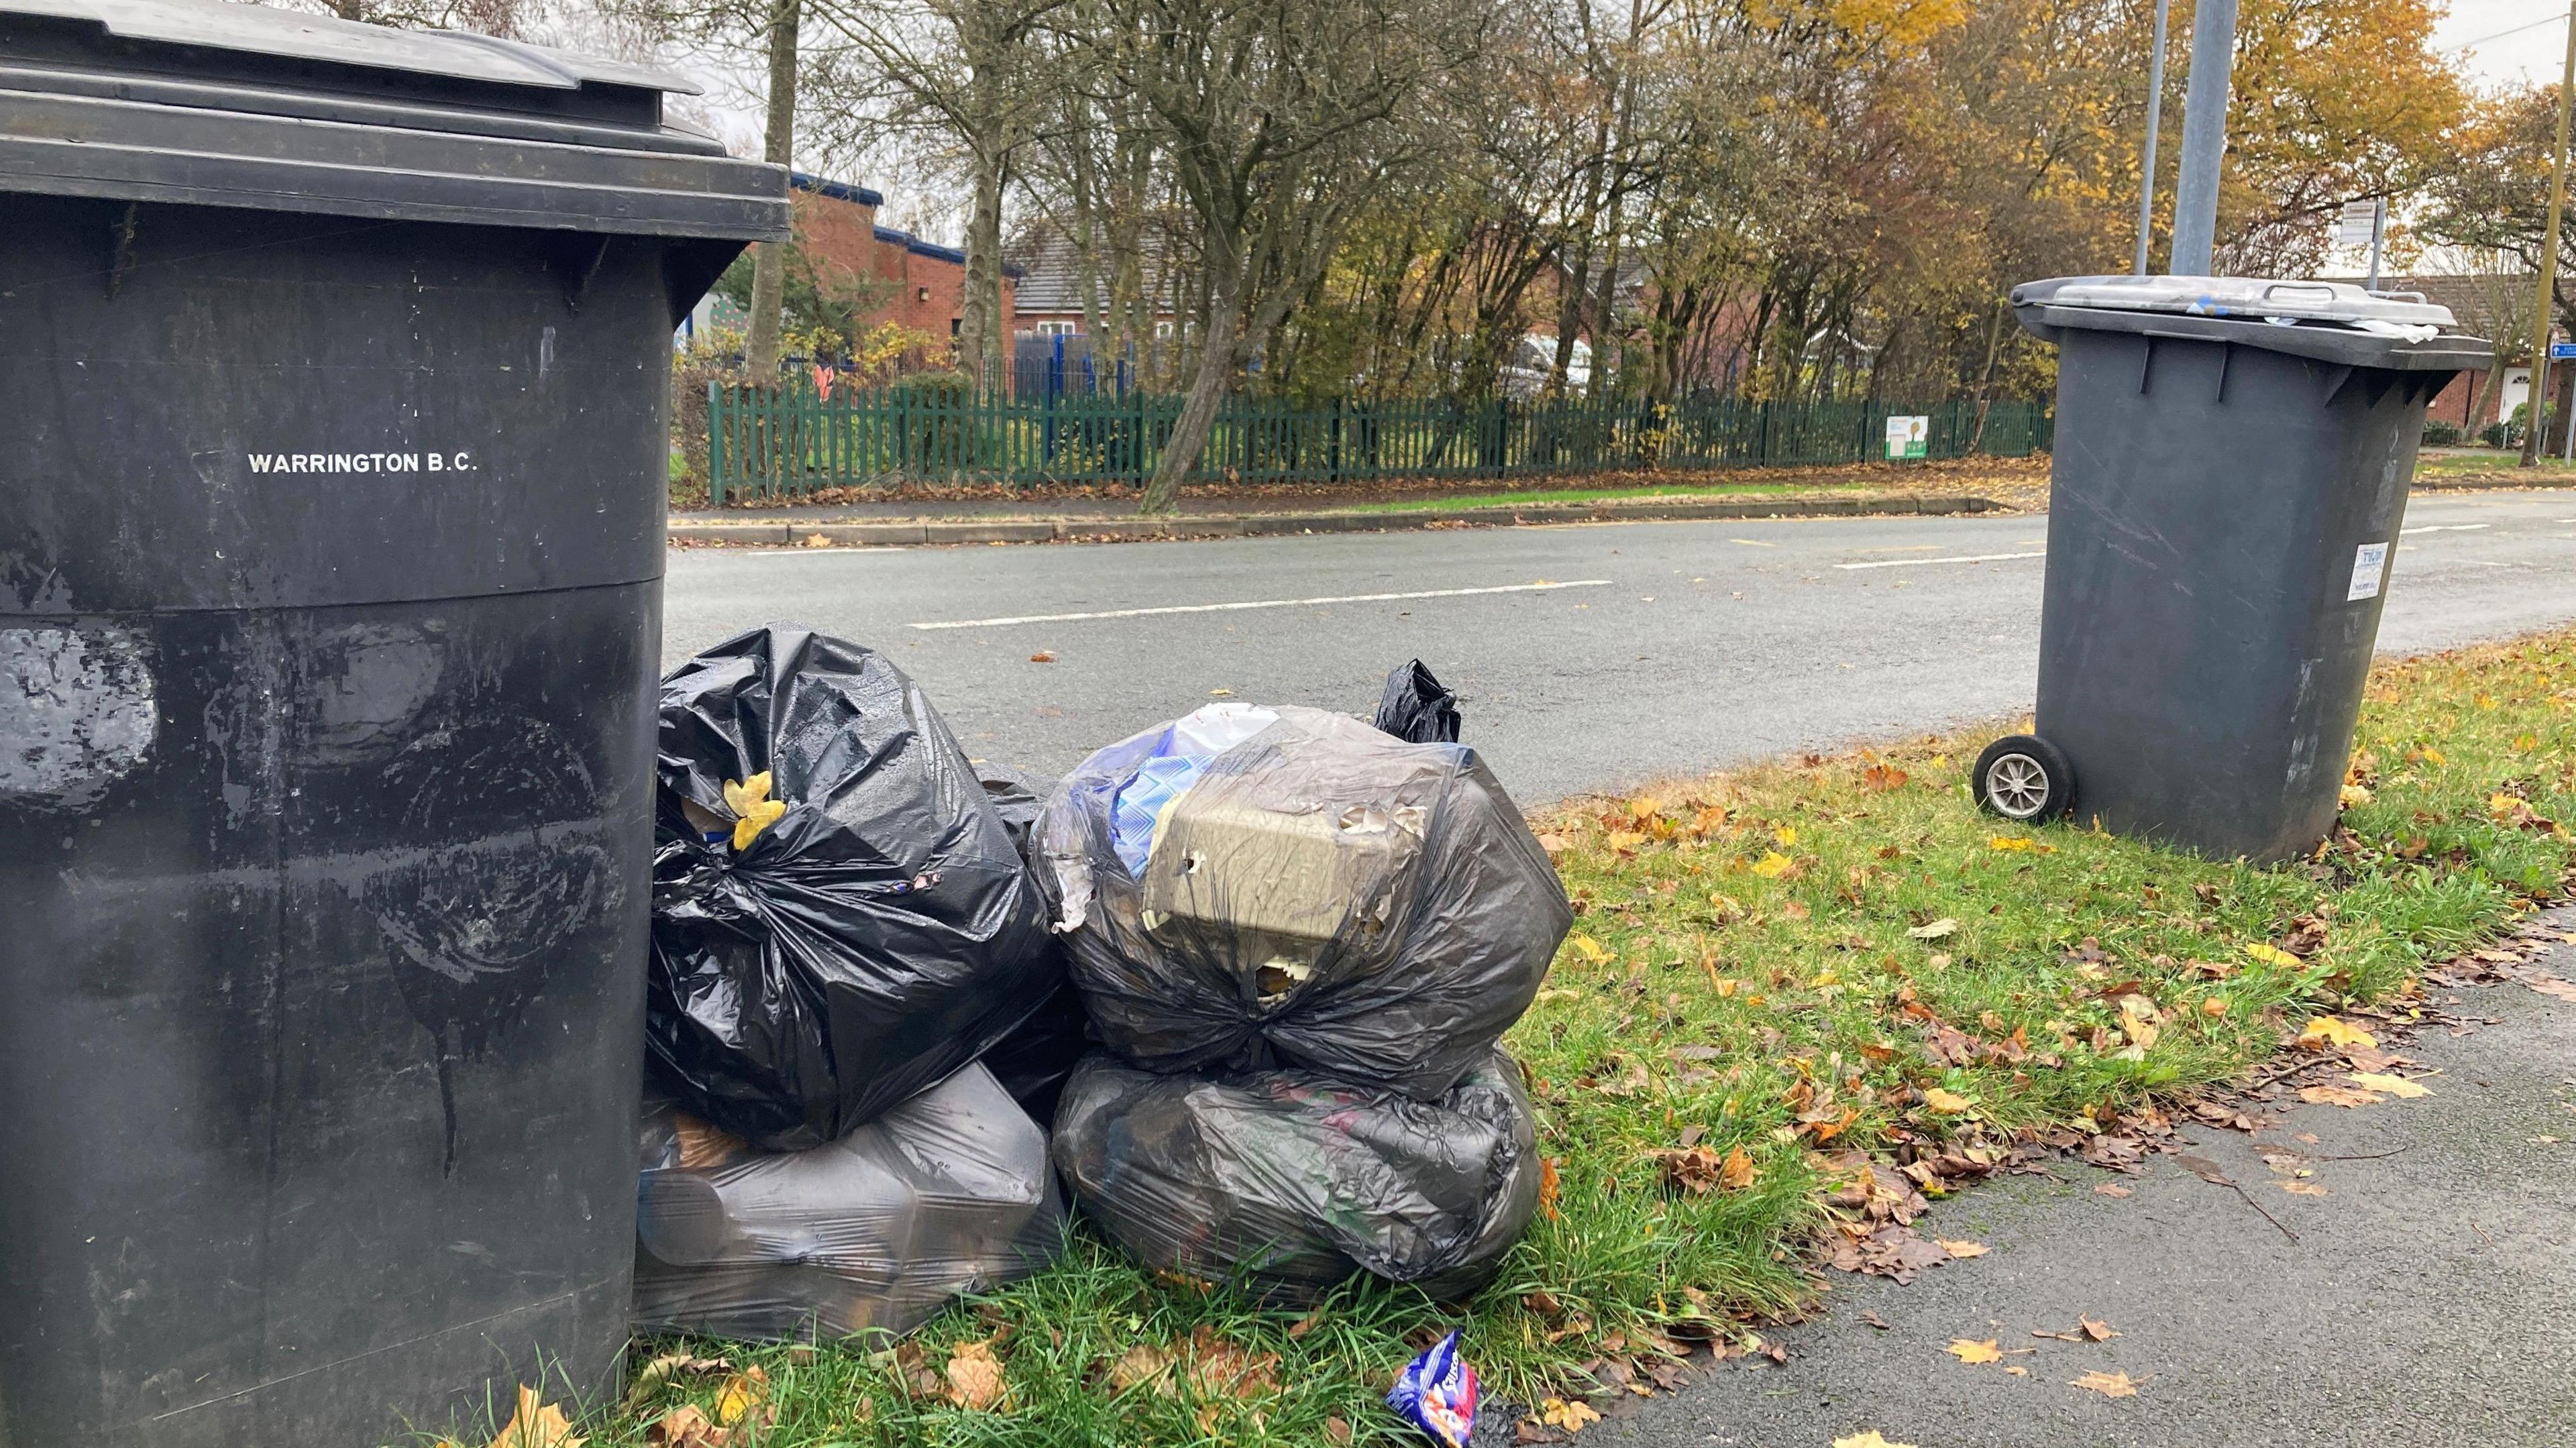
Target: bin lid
(2330, 321)
(208, 102)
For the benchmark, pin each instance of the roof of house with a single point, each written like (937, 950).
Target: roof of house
(1051, 278)
(837, 190)
(893, 236)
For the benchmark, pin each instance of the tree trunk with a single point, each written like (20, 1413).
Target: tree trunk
(977, 341)
(778, 148)
(1198, 414)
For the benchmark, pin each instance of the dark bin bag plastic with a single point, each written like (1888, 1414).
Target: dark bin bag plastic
(881, 934)
(1288, 1181)
(1417, 707)
(948, 1193)
(1253, 887)
(1033, 1061)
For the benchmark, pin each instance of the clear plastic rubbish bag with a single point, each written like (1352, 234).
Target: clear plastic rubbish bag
(1287, 1182)
(811, 971)
(948, 1193)
(1249, 888)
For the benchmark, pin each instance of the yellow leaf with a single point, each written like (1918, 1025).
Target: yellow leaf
(1870, 1439)
(2109, 1385)
(1220, 693)
(2525, 743)
(1969, 1351)
(753, 809)
(2432, 756)
(2397, 1086)
(1772, 865)
(1936, 930)
(975, 1378)
(1589, 948)
(1964, 1250)
(2355, 794)
(2485, 701)
(1787, 835)
(536, 1424)
(741, 1395)
(1947, 1103)
(2271, 955)
(1644, 807)
(2011, 842)
(1571, 1416)
(2303, 1189)
(2324, 1031)
(2502, 806)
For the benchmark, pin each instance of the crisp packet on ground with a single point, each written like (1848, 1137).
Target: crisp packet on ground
(1437, 1393)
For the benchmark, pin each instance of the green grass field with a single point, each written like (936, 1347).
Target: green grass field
(1772, 971)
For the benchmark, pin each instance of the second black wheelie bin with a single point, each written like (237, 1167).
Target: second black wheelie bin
(332, 475)
(2227, 487)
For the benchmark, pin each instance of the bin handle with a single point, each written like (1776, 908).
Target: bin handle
(2299, 287)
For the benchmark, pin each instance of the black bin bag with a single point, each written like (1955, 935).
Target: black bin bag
(1254, 887)
(1287, 1182)
(879, 934)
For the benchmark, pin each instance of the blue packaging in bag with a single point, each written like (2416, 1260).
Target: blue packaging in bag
(1436, 1392)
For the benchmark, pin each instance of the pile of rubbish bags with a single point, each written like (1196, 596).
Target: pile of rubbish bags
(1299, 938)
(1251, 965)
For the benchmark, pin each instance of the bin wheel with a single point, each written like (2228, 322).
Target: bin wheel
(2025, 778)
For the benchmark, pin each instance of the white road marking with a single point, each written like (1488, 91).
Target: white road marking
(1258, 603)
(2447, 528)
(1969, 558)
(1752, 543)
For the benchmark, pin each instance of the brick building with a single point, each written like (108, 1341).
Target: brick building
(836, 226)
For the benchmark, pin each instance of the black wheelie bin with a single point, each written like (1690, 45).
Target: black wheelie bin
(333, 375)
(2227, 486)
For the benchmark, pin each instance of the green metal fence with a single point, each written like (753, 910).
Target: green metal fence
(787, 441)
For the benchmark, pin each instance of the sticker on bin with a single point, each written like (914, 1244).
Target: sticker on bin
(2369, 561)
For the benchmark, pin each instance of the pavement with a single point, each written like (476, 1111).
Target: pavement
(1653, 648)
(2424, 1304)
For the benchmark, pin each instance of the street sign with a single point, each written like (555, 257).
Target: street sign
(1909, 437)
(2356, 223)
(2562, 351)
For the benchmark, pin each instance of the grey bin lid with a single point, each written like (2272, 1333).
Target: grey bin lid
(2334, 322)
(205, 102)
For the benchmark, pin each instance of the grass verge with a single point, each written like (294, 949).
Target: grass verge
(1775, 969)
(1585, 495)
(2490, 466)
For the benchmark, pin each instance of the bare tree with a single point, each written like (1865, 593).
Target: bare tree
(1277, 120)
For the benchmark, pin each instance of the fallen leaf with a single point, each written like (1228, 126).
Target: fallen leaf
(1220, 693)
(2324, 1031)
(2096, 1329)
(742, 1394)
(666, 1366)
(1881, 777)
(2303, 1189)
(1736, 1172)
(1876, 1321)
(2271, 954)
(1589, 948)
(1967, 1350)
(2551, 986)
(1309, 1322)
(1337, 1431)
(2355, 794)
(2017, 1370)
(2110, 1189)
(2397, 1086)
(1547, 1187)
(753, 809)
(2011, 842)
(1965, 1249)
(1042, 656)
(2109, 1385)
(1947, 1103)
(1870, 1439)
(535, 1423)
(1572, 1416)
(2343, 1096)
(1936, 930)
(1772, 865)
(816, 540)
(685, 1427)
(1142, 1365)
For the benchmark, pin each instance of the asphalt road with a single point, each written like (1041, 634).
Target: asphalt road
(1658, 649)
(2423, 1304)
